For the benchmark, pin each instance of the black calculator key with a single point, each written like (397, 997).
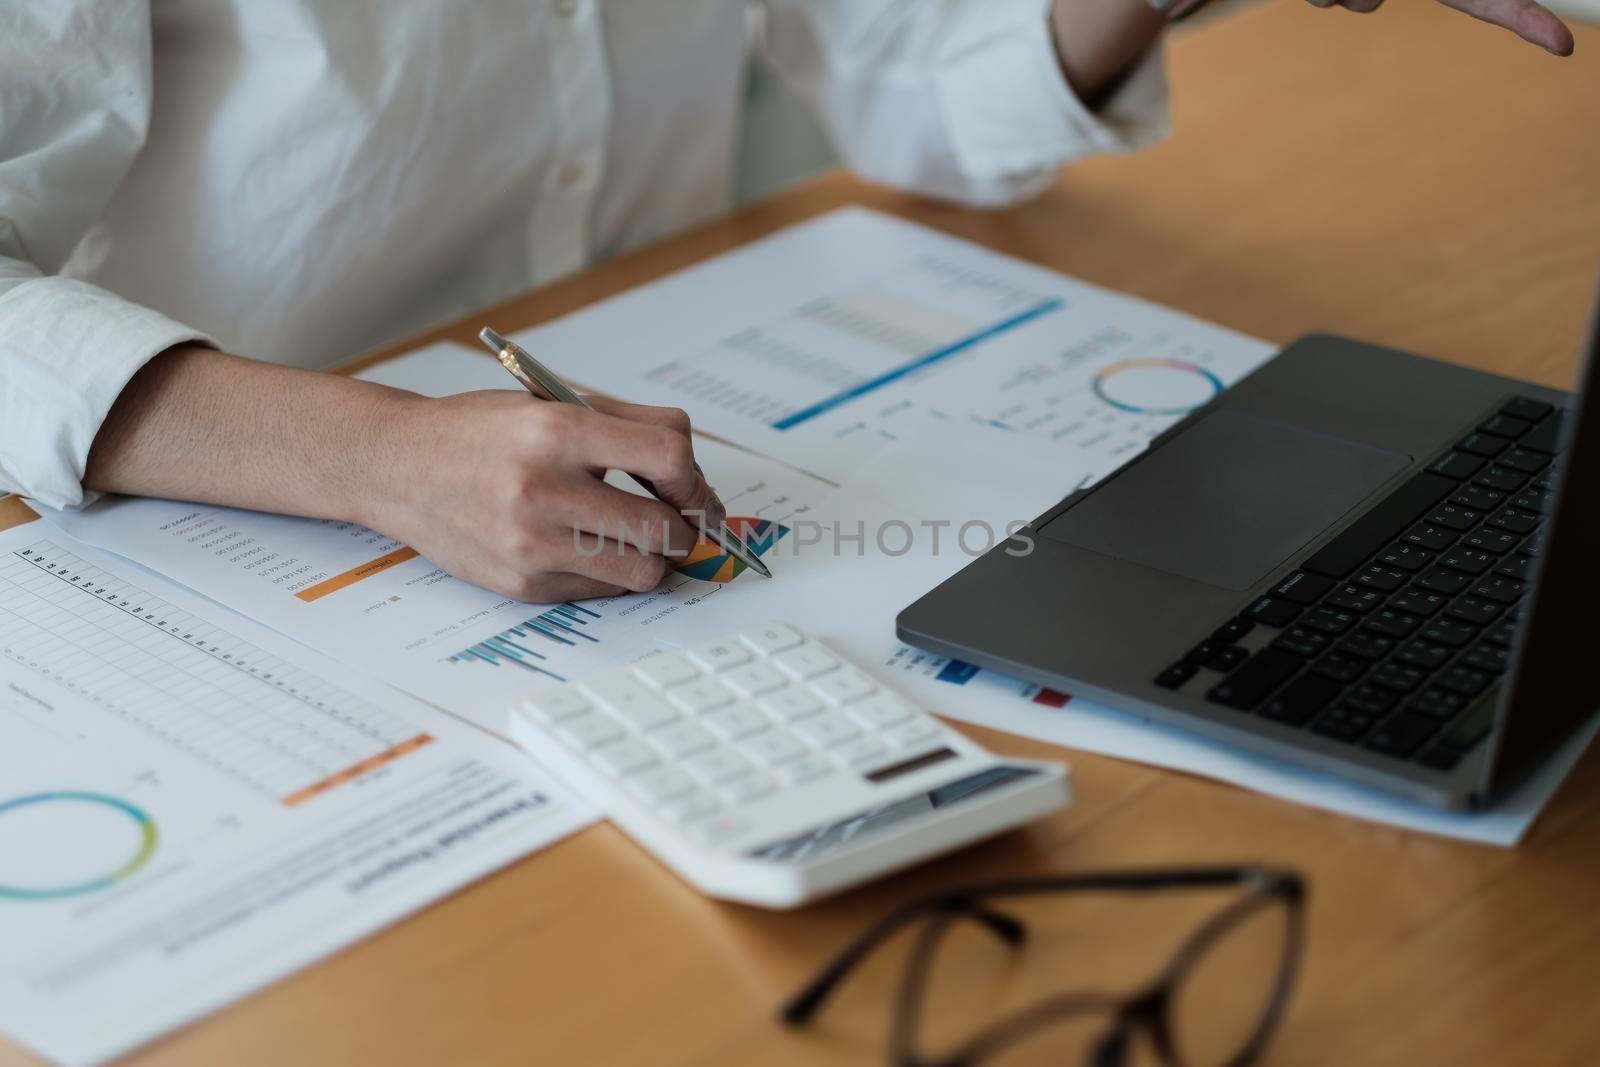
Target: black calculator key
(1383, 579)
(1485, 657)
(1535, 500)
(1402, 735)
(1250, 684)
(1404, 557)
(1303, 588)
(1232, 630)
(1366, 645)
(1523, 407)
(1448, 632)
(1397, 676)
(1517, 522)
(1474, 611)
(1416, 601)
(1482, 444)
(1458, 465)
(1357, 543)
(1228, 658)
(1444, 581)
(1352, 598)
(1423, 654)
(1174, 676)
(1455, 517)
(1301, 641)
(1464, 680)
(1492, 539)
(1329, 622)
(1515, 567)
(1201, 654)
(1343, 724)
(1466, 559)
(1432, 538)
(1501, 480)
(1520, 459)
(1339, 668)
(1391, 623)
(1506, 426)
(1478, 498)
(1437, 703)
(1498, 589)
(1302, 698)
(1548, 436)
(1272, 612)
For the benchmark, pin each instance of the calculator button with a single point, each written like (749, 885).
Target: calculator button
(552, 705)
(791, 705)
(749, 789)
(718, 766)
(681, 739)
(719, 655)
(647, 714)
(805, 769)
(772, 638)
(841, 687)
(753, 679)
(863, 751)
(807, 661)
(773, 747)
(880, 711)
(658, 785)
(589, 730)
(828, 729)
(703, 694)
(624, 757)
(688, 808)
(663, 669)
(731, 724)
(721, 829)
(619, 692)
(913, 734)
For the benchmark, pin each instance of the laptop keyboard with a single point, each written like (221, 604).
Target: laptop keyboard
(1386, 636)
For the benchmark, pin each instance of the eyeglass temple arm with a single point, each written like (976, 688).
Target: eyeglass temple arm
(799, 1009)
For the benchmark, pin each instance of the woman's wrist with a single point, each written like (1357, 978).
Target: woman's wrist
(1097, 41)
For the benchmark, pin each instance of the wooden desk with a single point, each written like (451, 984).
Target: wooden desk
(1410, 177)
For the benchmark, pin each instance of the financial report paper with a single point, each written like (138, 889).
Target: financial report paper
(192, 806)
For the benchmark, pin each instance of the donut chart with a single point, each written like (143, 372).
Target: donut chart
(709, 563)
(1156, 386)
(68, 807)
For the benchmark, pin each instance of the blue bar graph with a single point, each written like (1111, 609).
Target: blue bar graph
(789, 422)
(563, 625)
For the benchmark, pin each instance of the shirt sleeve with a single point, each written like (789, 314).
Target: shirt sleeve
(963, 100)
(74, 109)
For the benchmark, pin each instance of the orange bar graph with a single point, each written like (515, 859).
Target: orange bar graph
(371, 763)
(355, 574)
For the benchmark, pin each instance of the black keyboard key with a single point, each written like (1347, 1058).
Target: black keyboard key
(1501, 635)
(1303, 588)
(1301, 641)
(1383, 579)
(1370, 699)
(1250, 684)
(1517, 522)
(1472, 729)
(1482, 444)
(1416, 601)
(1444, 581)
(1329, 622)
(1455, 517)
(1402, 735)
(1520, 459)
(1506, 426)
(1437, 703)
(1201, 654)
(1517, 567)
(1365, 645)
(1485, 657)
(1534, 545)
(1550, 480)
(1342, 724)
(1357, 543)
(1391, 623)
(1397, 676)
(1302, 698)
(1228, 658)
(1404, 557)
(1423, 655)
(1439, 758)
(1478, 498)
(1351, 598)
(1501, 480)
(1448, 632)
(1523, 407)
(1491, 539)
(1272, 612)
(1474, 611)
(1549, 436)
(1466, 559)
(1464, 680)
(1500, 590)
(1432, 538)
(1339, 668)
(1535, 500)
(1457, 465)
(1231, 631)
(1174, 676)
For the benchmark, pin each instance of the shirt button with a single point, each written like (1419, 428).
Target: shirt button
(573, 175)
(567, 8)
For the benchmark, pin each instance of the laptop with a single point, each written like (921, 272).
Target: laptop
(1357, 560)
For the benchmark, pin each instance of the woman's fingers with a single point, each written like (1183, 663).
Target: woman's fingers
(615, 563)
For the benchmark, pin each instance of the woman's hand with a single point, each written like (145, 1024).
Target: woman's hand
(1527, 19)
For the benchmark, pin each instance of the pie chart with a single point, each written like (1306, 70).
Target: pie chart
(709, 563)
(1156, 386)
(68, 843)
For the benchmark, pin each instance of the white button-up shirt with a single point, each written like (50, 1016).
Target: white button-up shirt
(298, 180)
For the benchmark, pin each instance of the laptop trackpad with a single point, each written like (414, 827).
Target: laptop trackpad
(1228, 500)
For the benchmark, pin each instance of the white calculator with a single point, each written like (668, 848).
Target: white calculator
(763, 768)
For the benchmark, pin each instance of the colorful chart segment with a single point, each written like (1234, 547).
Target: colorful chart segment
(146, 847)
(709, 563)
(1156, 386)
(563, 624)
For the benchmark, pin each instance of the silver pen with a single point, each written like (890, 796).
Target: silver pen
(543, 383)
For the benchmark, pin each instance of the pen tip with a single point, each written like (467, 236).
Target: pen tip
(492, 339)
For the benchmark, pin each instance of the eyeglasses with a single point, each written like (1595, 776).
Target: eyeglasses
(1197, 1012)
